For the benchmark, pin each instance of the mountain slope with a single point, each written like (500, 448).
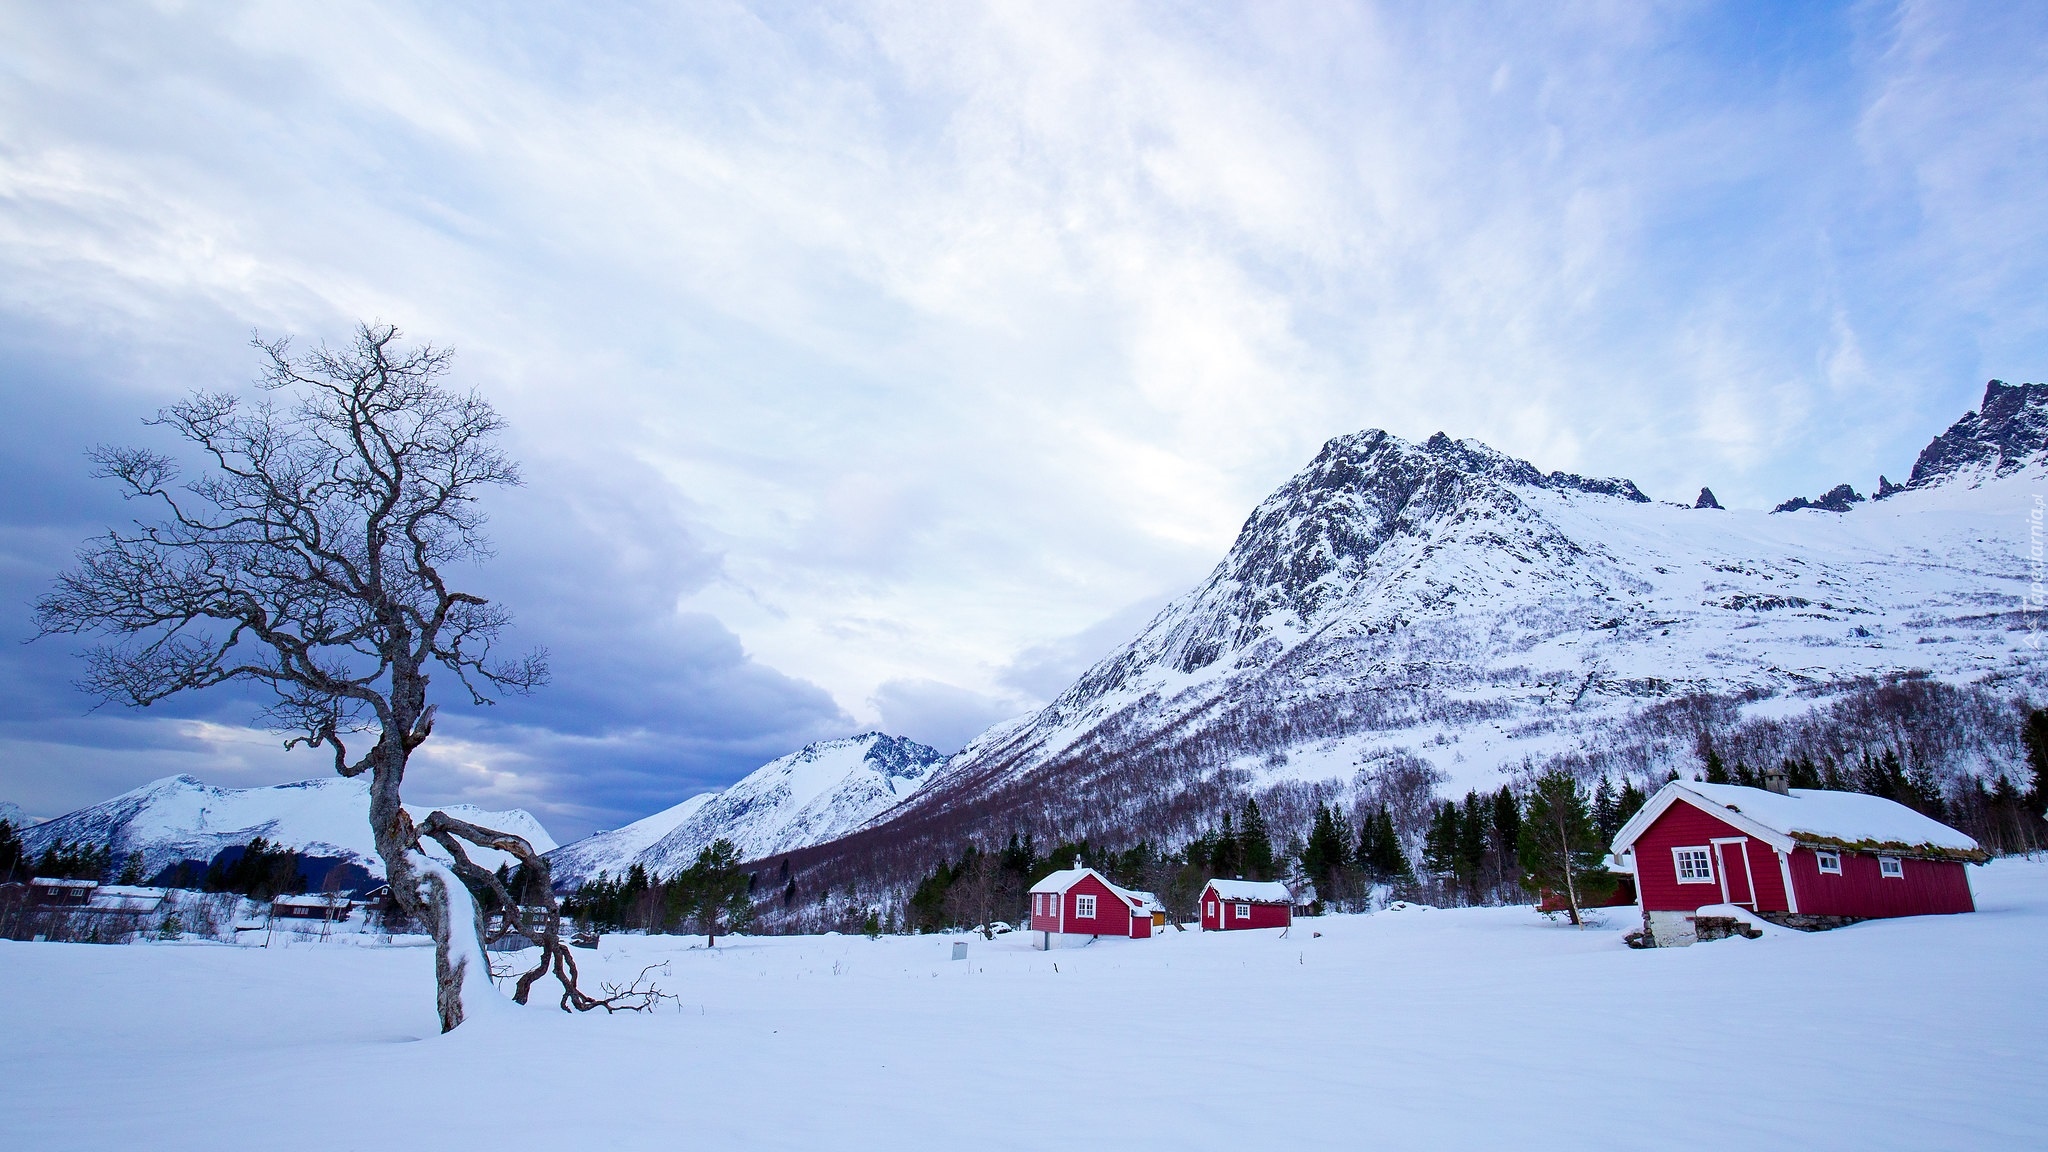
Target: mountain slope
(807, 797)
(1443, 605)
(181, 818)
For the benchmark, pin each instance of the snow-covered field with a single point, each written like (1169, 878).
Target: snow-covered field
(1484, 1028)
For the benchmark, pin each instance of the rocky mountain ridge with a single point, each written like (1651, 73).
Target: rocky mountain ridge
(1444, 606)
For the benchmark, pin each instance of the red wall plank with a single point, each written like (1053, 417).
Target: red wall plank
(1928, 887)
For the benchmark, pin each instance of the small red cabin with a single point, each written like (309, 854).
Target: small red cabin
(1080, 903)
(1228, 905)
(1801, 856)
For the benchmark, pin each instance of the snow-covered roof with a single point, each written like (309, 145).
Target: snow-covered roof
(1809, 816)
(1253, 891)
(127, 898)
(310, 901)
(49, 882)
(1066, 878)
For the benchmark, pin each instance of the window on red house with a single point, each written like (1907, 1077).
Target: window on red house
(1891, 867)
(1244, 911)
(1695, 865)
(1084, 907)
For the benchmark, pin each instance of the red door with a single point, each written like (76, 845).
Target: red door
(1737, 887)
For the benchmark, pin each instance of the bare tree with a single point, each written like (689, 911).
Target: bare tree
(975, 894)
(311, 554)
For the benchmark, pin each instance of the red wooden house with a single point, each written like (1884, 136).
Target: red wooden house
(1080, 904)
(1796, 856)
(1228, 905)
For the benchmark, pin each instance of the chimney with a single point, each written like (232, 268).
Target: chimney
(1777, 781)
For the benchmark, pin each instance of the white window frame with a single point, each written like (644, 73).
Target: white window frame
(1897, 870)
(1084, 907)
(1216, 909)
(1244, 910)
(1706, 860)
(1830, 863)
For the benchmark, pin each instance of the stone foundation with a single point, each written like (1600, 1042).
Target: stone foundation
(1808, 923)
(1706, 928)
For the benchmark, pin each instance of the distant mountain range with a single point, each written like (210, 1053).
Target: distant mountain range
(180, 818)
(807, 797)
(810, 796)
(1447, 607)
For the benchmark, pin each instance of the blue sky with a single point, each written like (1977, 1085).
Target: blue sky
(882, 366)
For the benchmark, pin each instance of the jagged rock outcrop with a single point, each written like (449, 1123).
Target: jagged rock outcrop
(1840, 498)
(1706, 499)
(2008, 431)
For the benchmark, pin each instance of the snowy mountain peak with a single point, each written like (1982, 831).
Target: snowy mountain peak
(2008, 431)
(1359, 519)
(814, 794)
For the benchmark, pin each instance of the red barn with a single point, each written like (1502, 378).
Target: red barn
(1079, 903)
(1795, 856)
(1228, 905)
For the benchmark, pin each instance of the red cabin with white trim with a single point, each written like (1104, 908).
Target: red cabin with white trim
(1801, 856)
(1230, 905)
(1079, 904)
